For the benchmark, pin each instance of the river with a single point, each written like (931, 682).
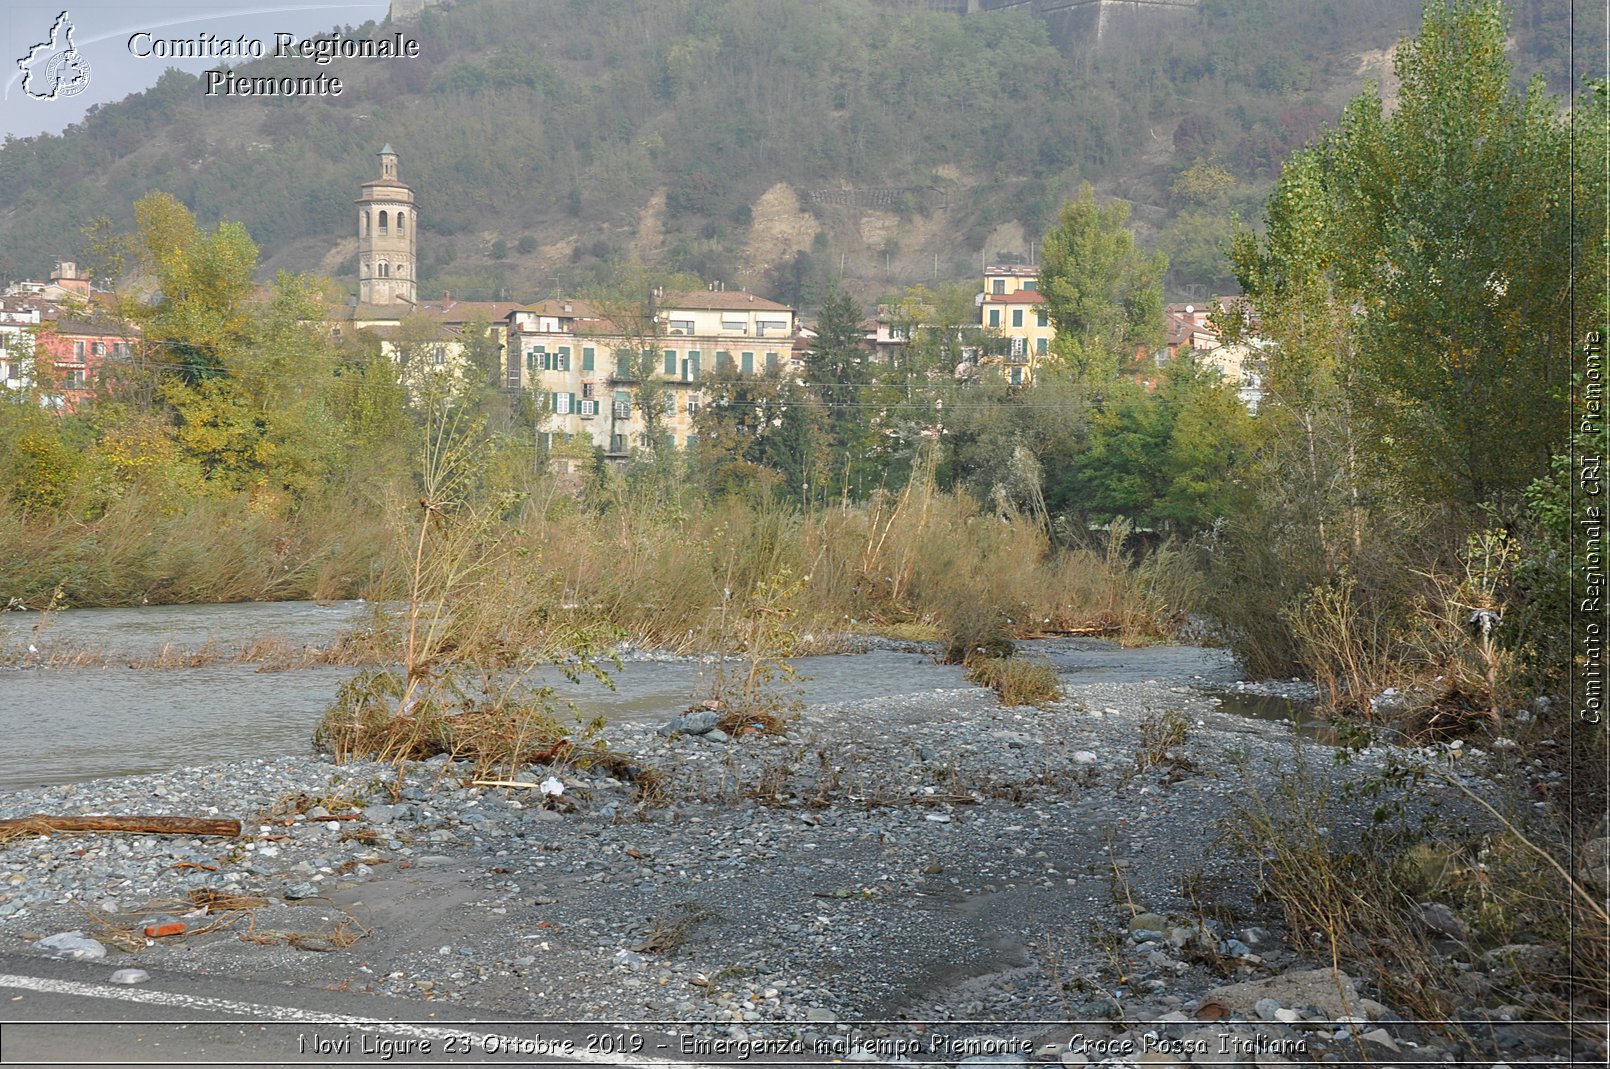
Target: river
(69, 724)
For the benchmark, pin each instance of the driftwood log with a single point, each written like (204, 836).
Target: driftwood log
(40, 823)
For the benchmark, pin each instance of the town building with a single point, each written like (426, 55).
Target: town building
(1193, 334)
(594, 369)
(1013, 313)
(72, 355)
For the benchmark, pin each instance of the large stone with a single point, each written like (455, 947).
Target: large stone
(1333, 992)
(1444, 921)
(1593, 862)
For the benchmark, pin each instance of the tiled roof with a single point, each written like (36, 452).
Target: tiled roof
(1020, 297)
(563, 307)
(90, 330)
(455, 311)
(722, 301)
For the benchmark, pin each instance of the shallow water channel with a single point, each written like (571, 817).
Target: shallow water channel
(71, 724)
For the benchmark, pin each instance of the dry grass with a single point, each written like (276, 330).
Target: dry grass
(1018, 680)
(1357, 906)
(668, 932)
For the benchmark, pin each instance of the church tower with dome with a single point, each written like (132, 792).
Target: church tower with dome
(387, 224)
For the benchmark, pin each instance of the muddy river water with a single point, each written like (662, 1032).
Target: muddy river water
(66, 724)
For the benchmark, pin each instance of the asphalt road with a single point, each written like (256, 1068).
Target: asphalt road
(65, 1013)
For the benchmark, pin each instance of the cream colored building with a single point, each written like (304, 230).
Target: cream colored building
(591, 376)
(1012, 310)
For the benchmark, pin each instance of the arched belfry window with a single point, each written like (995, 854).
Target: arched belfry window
(400, 221)
(382, 221)
(385, 269)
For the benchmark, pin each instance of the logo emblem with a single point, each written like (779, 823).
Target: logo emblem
(54, 69)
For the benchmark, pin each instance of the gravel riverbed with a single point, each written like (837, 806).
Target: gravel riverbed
(905, 861)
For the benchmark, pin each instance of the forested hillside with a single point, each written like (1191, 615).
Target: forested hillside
(762, 142)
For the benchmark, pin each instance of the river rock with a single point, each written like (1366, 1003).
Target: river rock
(1444, 921)
(1333, 992)
(71, 945)
(698, 723)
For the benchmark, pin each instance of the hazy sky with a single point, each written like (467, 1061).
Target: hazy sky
(101, 31)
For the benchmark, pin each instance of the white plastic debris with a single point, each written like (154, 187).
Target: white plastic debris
(552, 787)
(71, 945)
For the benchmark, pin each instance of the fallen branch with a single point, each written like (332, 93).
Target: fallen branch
(40, 824)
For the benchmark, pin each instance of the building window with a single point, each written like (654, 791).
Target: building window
(994, 317)
(586, 389)
(561, 360)
(400, 222)
(1031, 284)
(1042, 318)
(723, 362)
(996, 285)
(1039, 346)
(382, 222)
(748, 365)
(670, 361)
(622, 409)
(561, 404)
(617, 443)
(98, 348)
(440, 355)
(78, 350)
(733, 324)
(587, 358)
(1017, 317)
(1017, 376)
(690, 366)
(682, 326)
(385, 268)
(693, 406)
(771, 363)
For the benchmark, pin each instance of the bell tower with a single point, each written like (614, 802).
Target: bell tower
(387, 223)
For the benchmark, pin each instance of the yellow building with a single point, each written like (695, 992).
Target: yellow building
(592, 372)
(1013, 311)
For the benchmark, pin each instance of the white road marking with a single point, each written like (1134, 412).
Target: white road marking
(500, 1043)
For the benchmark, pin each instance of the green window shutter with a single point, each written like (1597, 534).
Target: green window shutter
(587, 358)
(994, 317)
(1039, 346)
(564, 358)
(748, 363)
(1040, 318)
(531, 360)
(1017, 317)
(670, 361)
(771, 363)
